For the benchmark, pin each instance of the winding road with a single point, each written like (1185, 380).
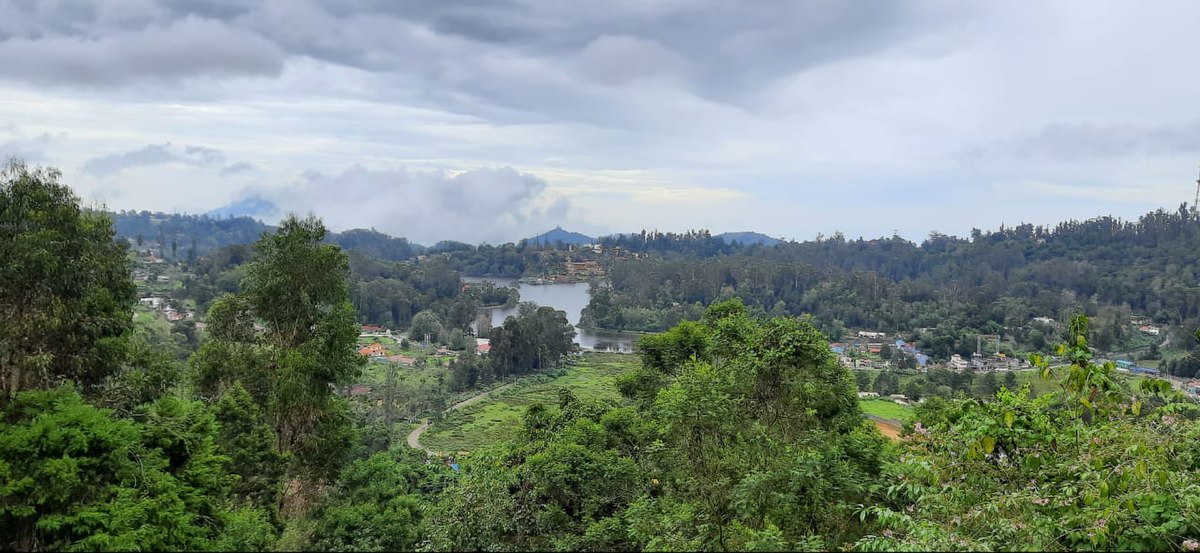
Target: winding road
(414, 437)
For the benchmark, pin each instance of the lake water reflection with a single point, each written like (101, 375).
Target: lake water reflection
(569, 298)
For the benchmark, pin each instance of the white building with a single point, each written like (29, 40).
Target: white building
(958, 363)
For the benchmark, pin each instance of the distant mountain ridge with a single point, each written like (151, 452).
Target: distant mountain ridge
(558, 235)
(748, 238)
(197, 235)
(254, 207)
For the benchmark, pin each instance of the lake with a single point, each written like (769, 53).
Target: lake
(569, 298)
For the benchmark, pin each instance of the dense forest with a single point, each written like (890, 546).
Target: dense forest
(386, 293)
(739, 430)
(944, 292)
(180, 236)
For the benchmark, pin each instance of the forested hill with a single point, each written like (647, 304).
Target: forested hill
(185, 236)
(992, 282)
(559, 236)
(748, 238)
(182, 236)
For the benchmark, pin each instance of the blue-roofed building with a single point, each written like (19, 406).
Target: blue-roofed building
(1144, 370)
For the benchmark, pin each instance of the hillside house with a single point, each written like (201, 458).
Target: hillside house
(373, 350)
(583, 268)
(957, 363)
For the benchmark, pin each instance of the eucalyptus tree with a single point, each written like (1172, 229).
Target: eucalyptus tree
(65, 291)
(288, 337)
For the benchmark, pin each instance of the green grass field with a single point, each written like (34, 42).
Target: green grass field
(498, 417)
(885, 409)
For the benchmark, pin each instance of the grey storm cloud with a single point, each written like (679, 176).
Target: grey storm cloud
(427, 206)
(154, 154)
(445, 51)
(180, 49)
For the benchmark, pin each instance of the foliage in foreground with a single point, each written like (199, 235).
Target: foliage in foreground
(1094, 466)
(752, 439)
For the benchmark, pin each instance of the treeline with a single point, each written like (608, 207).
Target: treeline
(178, 236)
(182, 237)
(936, 382)
(996, 282)
(538, 338)
(105, 445)
(187, 237)
(699, 243)
(385, 293)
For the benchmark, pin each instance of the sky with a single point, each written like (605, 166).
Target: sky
(493, 120)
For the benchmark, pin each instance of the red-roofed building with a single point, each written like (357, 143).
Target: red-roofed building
(372, 328)
(483, 348)
(373, 350)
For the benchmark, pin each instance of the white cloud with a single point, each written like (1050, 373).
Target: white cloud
(427, 206)
(791, 119)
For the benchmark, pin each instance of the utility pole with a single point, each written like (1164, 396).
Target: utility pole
(1196, 202)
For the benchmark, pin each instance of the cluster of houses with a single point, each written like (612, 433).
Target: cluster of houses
(1150, 329)
(868, 344)
(576, 271)
(616, 252)
(995, 362)
(163, 306)
(377, 351)
(143, 275)
(873, 343)
(583, 269)
(1142, 324)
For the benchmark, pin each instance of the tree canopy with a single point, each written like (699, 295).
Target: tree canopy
(65, 291)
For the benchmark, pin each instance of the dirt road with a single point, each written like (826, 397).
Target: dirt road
(414, 437)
